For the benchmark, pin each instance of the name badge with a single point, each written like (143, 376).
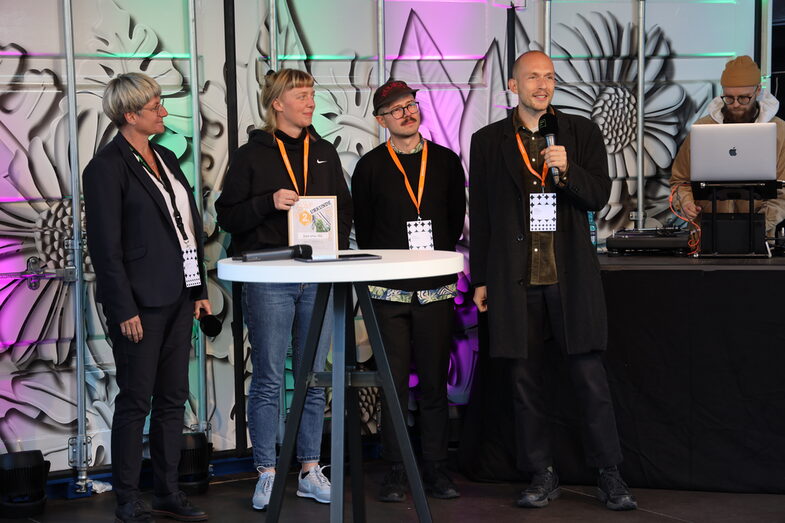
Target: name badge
(420, 235)
(542, 211)
(191, 267)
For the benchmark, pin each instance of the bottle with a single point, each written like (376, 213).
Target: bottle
(592, 229)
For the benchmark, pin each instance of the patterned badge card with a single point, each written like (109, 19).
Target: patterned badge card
(420, 234)
(542, 211)
(191, 267)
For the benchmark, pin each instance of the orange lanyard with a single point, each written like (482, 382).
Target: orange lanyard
(525, 157)
(285, 157)
(421, 184)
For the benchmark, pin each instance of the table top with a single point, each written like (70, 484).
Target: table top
(682, 263)
(395, 264)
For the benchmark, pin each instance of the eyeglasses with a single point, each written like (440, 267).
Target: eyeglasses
(743, 100)
(397, 113)
(156, 108)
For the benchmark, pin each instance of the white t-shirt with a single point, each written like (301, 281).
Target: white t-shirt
(182, 200)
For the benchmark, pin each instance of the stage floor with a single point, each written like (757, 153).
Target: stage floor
(229, 499)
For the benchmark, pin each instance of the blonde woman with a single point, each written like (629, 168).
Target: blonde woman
(266, 177)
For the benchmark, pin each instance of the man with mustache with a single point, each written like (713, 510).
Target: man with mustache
(535, 272)
(410, 193)
(741, 101)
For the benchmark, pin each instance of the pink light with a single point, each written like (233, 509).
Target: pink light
(435, 56)
(6, 344)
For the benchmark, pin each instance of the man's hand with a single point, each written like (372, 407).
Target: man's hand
(132, 329)
(556, 156)
(690, 210)
(284, 199)
(481, 298)
(202, 308)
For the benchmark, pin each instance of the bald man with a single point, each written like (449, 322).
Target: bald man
(535, 272)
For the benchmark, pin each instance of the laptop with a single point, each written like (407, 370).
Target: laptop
(739, 152)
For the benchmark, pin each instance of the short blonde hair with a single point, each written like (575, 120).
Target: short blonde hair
(128, 93)
(275, 84)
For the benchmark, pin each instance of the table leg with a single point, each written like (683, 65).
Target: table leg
(396, 414)
(354, 423)
(298, 402)
(338, 402)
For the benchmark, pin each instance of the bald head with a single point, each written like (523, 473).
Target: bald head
(531, 58)
(533, 80)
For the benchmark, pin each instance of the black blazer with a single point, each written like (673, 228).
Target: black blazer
(133, 244)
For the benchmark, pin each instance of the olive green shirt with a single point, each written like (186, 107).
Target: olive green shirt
(541, 268)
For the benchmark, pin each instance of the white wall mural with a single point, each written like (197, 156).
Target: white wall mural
(457, 62)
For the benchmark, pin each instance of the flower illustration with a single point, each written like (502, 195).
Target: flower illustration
(37, 326)
(604, 89)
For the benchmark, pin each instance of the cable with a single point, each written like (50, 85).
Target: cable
(695, 239)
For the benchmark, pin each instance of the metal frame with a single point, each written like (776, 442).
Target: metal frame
(640, 218)
(81, 453)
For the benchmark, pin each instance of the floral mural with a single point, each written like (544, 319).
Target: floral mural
(596, 66)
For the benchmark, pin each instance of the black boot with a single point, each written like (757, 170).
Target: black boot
(176, 506)
(543, 488)
(135, 511)
(394, 484)
(614, 491)
(436, 481)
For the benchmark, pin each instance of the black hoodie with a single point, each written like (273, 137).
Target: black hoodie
(246, 209)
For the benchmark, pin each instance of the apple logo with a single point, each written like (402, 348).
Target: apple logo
(732, 151)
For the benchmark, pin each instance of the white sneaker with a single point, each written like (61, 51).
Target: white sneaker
(264, 487)
(314, 485)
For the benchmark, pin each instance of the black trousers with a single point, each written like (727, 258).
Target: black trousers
(587, 373)
(422, 333)
(153, 372)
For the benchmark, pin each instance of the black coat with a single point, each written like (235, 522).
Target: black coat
(499, 222)
(133, 243)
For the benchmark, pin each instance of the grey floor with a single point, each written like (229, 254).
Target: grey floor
(229, 499)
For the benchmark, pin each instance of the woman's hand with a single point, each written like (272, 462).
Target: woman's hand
(132, 329)
(284, 199)
(202, 308)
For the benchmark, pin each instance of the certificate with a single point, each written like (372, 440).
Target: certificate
(313, 220)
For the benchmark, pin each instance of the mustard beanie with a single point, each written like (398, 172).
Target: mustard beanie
(740, 72)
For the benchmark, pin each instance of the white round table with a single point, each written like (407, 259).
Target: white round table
(341, 276)
(395, 264)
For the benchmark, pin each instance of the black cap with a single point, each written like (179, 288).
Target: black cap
(389, 92)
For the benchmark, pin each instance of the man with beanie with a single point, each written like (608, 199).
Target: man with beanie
(410, 193)
(742, 101)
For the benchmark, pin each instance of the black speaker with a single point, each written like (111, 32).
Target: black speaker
(194, 469)
(22, 484)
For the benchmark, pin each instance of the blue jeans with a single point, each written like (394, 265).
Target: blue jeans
(275, 314)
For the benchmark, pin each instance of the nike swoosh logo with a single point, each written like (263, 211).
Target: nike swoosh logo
(321, 161)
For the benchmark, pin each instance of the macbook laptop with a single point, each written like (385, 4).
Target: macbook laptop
(738, 152)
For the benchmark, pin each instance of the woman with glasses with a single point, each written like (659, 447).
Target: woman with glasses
(741, 101)
(144, 234)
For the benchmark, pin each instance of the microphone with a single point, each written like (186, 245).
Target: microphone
(211, 326)
(549, 128)
(279, 253)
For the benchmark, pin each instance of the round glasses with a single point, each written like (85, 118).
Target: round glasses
(397, 113)
(156, 108)
(743, 100)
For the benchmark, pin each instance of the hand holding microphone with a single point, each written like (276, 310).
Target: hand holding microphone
(554, 155)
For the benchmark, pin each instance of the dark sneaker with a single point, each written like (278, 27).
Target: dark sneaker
(437, 483)
(543, 488)
(394, 484)
(614, 492)
(136, 511)
(177, 506)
